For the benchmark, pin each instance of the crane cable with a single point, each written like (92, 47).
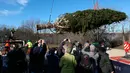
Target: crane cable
(51, 11)
(50, 20)
(51, 15)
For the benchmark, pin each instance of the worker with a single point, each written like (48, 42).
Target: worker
(29, 46)
(7, 46)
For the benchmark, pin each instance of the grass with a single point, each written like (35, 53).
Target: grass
(52, 45)
(55, 45)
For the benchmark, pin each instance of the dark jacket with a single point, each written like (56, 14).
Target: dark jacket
(78, 54)
(37, 57)
(59, 50)
(105, 65)
(0, 63)
(16, 61)
(53, 63)
(44, 46)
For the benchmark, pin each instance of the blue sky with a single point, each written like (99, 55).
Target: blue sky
(13, 12)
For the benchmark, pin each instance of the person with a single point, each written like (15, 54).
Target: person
(16, 60)
(78, 53)
(5, 59)
(75, 44)
(37, 57)
(87, 47)
(29, 46)
(1, 63)
(68, 61)
(7, 46)
(44, 46)
(4, 63)
(59, 50)
(53, 62)
(102, 44)
(105, 65)
(93, 54)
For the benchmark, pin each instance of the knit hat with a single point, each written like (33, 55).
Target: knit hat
(29, 41)
(96, 44)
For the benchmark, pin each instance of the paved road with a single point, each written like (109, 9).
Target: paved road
(116, 52)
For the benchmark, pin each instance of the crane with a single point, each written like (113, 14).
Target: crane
(96, 5)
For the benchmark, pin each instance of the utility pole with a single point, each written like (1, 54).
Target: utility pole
(129, 28)
(123, 33)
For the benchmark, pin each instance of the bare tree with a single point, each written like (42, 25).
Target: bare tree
(4, 33)
(27, 31)
(29, 24)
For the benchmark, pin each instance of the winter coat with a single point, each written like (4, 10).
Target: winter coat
(53, 63)
(59, 50)
(37, 57)
(105, 63)
(16, 61)
(68, 63)
(92, 53)
(1, 63)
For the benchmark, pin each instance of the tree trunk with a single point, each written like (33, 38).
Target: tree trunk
(49, 26)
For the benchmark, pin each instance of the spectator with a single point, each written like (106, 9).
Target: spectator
(16, 61)
(1, 63)
(4, 62)
(77, 53)
(37, 57)
(75, 44)
(87, 47)
(59, 51)
(53, 62)
(94, 55)
(104, 62)
(68, 61)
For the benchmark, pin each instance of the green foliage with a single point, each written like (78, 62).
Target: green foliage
(82, 21)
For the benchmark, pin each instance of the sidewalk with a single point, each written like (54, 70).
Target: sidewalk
(116, 52)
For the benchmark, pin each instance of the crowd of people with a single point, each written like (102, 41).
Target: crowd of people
(67, 58)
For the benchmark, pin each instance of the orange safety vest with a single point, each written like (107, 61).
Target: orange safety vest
(7, 45)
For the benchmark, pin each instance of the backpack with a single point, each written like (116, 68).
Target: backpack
(86, 62)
